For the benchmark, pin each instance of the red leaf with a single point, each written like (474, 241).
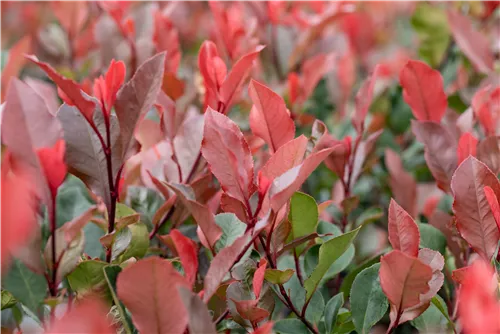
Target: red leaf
(230, 204)
(200, 320)
(403, 185)
(440, 151)
(473, 44)
(213, 69)
(289, 182)
(236, 78)
(249, 310)
(148, 288)
(228, 155)
(403, 231)
(494, 204)
(106, 88)
(87, 316)
(269, 118)
(488, 151)
(258, 278)
(52, 162)
(364, 99)
(187, 144)
(403, 279)
(186, 249)
(267, 328)
(486, 106)
(286, 157)
(423, 91)
(75, 226)
(70, 88)
(478, 307)
(71, 15)
(466, 146)
(15, 62)
(474, 218)
(19, 210)
(166, 38)
(221, 264)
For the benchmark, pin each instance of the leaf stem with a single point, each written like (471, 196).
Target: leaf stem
(112, 191)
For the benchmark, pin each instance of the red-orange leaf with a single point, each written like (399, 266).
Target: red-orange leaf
(53, 166)
(466, 146)
(403, 231)
(403, 185)
(474, 218)
(364, 99)
(186, 249)
(423, 91)
(269, 118)
(148, 288)
(494, 204)
(258, 278)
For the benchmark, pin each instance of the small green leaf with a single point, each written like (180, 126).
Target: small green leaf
(123, 211)
(368, 301)
(331, 310)
(88, 276)
(431, 321)
(27, 287)
(431, 237)
(111, 274)
(290, 326)
(139, 243)
(346, 327)
(329, 252)
(276, 276)
(441, 306)
(303, 216)
(232, 229)
(8, 300)
(349, 279)
(121, 241)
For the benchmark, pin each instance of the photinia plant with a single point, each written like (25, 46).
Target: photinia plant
(250, 167)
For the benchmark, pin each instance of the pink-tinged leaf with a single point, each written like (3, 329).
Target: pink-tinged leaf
(249, 310)
(258, 278)
(221, 264)
(15, 62)
(440, 151)
(478, 306)
(434, 260)
(71, 15)
(459, 275)
(269, 118)
(188, 253)
(235, 79)
(27, 125)
(474, 218)
(488, 151)
(365, 148)
(137, 96)
(201, 213)
(187, 143)
(403, 231)
(213, 70)
(148, 133)
(47, 91)
(19, 211)
(84, 152)
(267, 328)
(364, 99)
(52, 162)
(86, 316)
(313, 70)
(494, 204)
(466, 146)
(423, 91)
(403, 279)
(403, 185)
(289, 182)
(70, 88)
(75, 226)
(232, 205)
(286, 157)
(228, 156)
(473, 44)
(200, 321)
(444, 222)
(149, 290)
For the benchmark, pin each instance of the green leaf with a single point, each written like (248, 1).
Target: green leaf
(315, 309)
(441, 306)
(346, 327)
(88, 276)
(72, 252)
(329, 252)
(121, 241)
(303, 216)
(139, 242)
(369, 215)
(431, 24)
(72, 200)
(8, 300)
(332, 309)
(276, 276)
(26, 286)
(111, 274)
(432, 320)
(368, 301)
(145, 201)
(431, 237)
(123, 211)
(290, 326)
(232, 229)
(349, 279)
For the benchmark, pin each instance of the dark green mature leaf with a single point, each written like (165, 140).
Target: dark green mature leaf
(329, 252)
(303, 216)
(431, 237)
(368, 301)
(110, 275)
(26, 286)
(331, 310)
(349, 279)
(432, 320)
(290, 326)
(137, 96)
